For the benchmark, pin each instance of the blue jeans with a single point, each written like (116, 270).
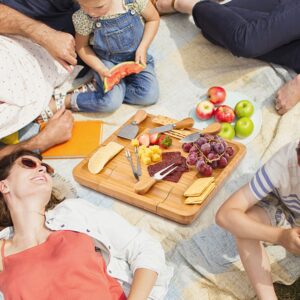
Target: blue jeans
(137, 89)
(265, 29)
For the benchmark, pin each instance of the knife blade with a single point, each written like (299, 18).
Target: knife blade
(138, 164)
(185, 123)
(212, 128)
(128, 156)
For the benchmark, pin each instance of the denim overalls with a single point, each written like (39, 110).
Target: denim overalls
(115, 41)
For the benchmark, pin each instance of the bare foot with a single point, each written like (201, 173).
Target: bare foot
(288, 96)
(185, 6)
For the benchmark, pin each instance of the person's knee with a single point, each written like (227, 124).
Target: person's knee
(110, 102)
(242, 49)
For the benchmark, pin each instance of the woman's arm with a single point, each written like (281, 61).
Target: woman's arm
(151, 18)
(59, 44)
(142, 284)
(89, 56)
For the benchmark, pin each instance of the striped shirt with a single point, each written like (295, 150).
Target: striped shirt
(280, 175)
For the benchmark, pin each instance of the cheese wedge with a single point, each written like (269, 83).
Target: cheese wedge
(198, 186)
(102, 156)
(202, 197)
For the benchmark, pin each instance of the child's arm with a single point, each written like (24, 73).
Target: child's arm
(89, 56)
(151, 18)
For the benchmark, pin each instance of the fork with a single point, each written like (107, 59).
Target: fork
(128, 156)
(143, 186)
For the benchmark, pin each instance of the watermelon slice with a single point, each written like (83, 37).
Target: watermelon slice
(120, 71)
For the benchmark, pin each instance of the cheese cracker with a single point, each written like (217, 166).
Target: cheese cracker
(202, 197)
(102, 156)
(198, 187)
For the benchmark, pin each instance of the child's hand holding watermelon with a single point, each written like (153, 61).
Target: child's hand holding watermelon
(141, 55)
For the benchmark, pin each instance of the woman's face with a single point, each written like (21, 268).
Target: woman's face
(95, 8)
(28, 177)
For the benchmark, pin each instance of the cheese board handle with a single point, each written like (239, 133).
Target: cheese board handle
(139, 116)
(212, 128)
(143, 186)
(185, 123)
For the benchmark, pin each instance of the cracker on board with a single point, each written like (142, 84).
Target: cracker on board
(198, 186)
(102, 156)
(202, 197)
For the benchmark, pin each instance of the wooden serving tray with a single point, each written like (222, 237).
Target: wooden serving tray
(164, 198)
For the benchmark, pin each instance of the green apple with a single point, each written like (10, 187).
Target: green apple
(243, 127)
(244, 108)
(227, 131)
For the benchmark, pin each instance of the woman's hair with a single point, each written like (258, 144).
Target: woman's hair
(6, 164)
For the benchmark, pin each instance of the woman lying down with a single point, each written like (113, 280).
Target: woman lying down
(48, 252)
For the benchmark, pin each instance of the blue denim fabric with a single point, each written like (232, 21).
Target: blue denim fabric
(116, 40)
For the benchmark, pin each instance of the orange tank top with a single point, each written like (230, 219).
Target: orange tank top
(64, 267)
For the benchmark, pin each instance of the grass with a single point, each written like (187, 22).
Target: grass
(288, 292)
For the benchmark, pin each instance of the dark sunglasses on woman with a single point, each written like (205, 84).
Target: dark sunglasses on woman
(29, 163)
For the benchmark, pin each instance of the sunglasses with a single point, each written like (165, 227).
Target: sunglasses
(29, 163)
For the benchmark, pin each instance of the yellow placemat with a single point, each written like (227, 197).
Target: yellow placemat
(86, 137)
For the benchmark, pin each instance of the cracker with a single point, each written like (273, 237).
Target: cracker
(202, 197)
(102, 156)
(198, 186)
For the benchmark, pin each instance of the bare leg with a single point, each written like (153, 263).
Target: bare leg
(288, 96)
(255, 259)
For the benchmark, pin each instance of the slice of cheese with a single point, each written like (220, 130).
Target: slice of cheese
(198, 186)
(102, 156)
(202, 197)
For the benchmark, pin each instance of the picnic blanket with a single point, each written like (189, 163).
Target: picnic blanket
(203, 255)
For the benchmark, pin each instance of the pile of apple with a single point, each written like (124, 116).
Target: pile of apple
(224, 114)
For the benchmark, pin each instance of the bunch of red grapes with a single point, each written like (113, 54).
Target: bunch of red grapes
(207, 153)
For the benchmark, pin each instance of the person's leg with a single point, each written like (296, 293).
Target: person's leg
(255, 260)
(248, 38)
(98, 101)
(255, 5)
(142, 88)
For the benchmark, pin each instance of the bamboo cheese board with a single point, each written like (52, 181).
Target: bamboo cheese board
(165, 198)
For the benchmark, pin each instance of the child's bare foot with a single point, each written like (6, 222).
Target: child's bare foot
(288, 96)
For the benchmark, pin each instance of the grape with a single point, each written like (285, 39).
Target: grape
(214, 164)
(230, 151)
(226, 155)
(211, 156)
(205, 170)
(219, 148)
(199, 163)
(205, 148)
(201, 141)
(222, 163)
(186, 147)
(192, 159)
(194, 149)
(209, 137)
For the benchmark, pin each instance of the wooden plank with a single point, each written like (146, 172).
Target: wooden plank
(164, 198)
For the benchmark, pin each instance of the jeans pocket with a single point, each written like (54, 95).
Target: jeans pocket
(122, 40)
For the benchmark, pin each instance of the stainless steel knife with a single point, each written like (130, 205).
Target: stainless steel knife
(128, 156)
(185, 123)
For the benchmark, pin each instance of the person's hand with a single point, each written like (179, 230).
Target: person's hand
(61, 46)
(58, 130)
(290, 239)
(141, 55)
(103, 72)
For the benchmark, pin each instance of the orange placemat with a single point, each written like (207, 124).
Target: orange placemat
(86, 137)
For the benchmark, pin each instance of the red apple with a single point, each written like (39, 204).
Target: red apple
(216, 95)
(224, 113)
(205, 110)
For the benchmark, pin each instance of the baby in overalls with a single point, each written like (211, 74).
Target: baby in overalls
(109, 32)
